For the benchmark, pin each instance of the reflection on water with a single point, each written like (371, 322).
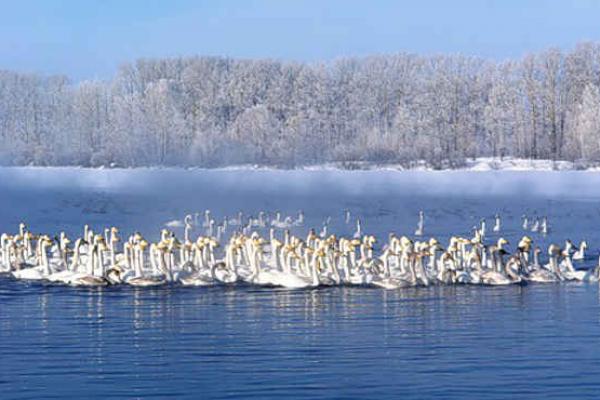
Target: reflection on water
(347, 342)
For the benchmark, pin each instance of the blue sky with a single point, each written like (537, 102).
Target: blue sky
(90, 38)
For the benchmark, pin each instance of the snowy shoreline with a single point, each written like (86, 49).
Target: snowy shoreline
(483, 164)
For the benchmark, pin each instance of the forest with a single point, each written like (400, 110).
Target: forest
(402, 108)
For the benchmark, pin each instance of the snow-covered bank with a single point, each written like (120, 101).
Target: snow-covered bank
(478, 164)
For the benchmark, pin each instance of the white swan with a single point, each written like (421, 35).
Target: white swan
(535, 272)
(497, 224)
(495, 277)
(420, 224)
(42, 269)
(265, 277)
(580, 252)
(138, 260)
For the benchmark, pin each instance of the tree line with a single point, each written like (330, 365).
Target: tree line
(403, 108)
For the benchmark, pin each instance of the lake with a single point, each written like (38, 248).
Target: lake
(445, 341)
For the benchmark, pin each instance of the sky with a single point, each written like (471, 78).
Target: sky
(89, 39)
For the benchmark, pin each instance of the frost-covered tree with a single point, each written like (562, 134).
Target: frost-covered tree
(587, 123)
(215, 111)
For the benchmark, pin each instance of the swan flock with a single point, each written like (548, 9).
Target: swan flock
(277, 258)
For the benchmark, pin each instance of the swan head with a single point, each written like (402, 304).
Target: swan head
(525, 243)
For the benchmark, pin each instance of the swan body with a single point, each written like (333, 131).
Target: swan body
(494, 278)
(497, 224)
(580, 252)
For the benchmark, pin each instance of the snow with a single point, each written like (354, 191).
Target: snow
(477, 164)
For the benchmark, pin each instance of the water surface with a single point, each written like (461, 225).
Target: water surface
(450, 342)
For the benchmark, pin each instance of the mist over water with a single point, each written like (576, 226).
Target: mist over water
(450, 342)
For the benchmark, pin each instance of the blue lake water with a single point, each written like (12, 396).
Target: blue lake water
(242, 342)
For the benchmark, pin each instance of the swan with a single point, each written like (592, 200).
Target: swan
(352, 275)
(281, 224)
(580, 252)
(473, 269)
(94, 261)
(207, 219)
(138, 279)
(187, 227)
(122, 269)
(40, 271)
(495, 277)
(570, 273)
(6, 246)
(446, 269)
(275, 277)
(544, 228)
(224, 271)
(198, 274)
(482, 229)
(323, 233)
(524, 248)
(260, 222)
(535, 272)
(535, 226)
(358, 232)
(390, 283)
(236, 221)
(525, 224)
(496, 227)
(69, 272)
(420, 224)
(513, 269)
